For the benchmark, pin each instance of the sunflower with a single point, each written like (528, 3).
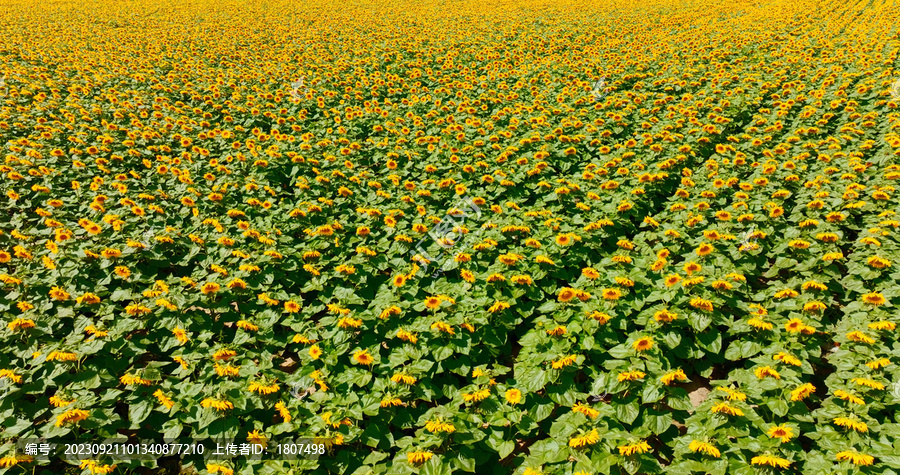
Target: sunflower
(787, 359)
(20, 324)
(846, 396)
(585, 439)
(391, 402)
(57, 401)
(586, 410)
(443, 327)
(860, 337)
(874, 298)
(878, 262)
(733, 395)
(513, 396)
(643, 344)
(665, 316)
(611, 294)
(418, 457)
(701, 304)
(224, 354)
(96, 468)
(812, 284)
(854, 424)
(770, 460)
(220, 405)
(59, 294)
(256, 438)
(283, 412)
(879, 363)
(566, 294)
(705, 249)
(725, 408)
(210, 288)
(129, 380)
(498, 306)
(672, 279)
(766, 372)
(631, 375)
(600, 317)
(855, 457)
(782, 432)
(403, 378)
(71, 416)
(363, 357)
(794, 325)
(163, 399)
(692, 267)
(705, 448)
(349, 322)
(564, 361)
(436, 426)
(62, 356)
(882, 326)
(432, 302)
(802, 392)
(868, 383)
(672, 376)
(631, 449)
(558, 331)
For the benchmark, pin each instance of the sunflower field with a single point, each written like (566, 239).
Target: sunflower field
(453, 236)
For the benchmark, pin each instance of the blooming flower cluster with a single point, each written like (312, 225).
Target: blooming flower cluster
(228, 220)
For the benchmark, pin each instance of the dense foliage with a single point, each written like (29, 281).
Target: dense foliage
(537, 237)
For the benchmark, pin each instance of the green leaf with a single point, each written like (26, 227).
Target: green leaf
(710, 341)
(548, 451)
(588, 342)
(464, 461)
(658, 423)
(627, 413)
(750, 348)
(620, 352)
(171, 429)
(435, 466)
(562, 394)
(532, 379)
(652, 393)
(672, 339)
(540, 411)
(505, 448)
(778, 406)
(120, 295)
(733, 352)
(679, 400)
(699, 321)
(631, 465)
(18, 427)
(346, 296)
(601, 384)
(138, 412)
